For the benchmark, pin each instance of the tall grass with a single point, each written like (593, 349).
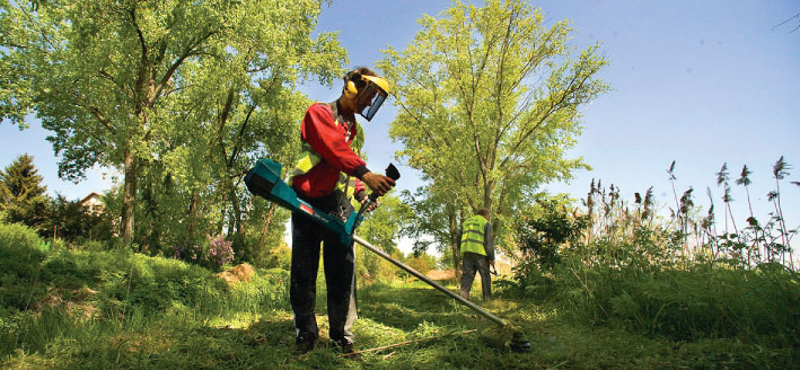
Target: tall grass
(622, 264)
(74, 295)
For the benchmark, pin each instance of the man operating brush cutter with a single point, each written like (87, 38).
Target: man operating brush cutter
(330, 175)
(322, 192)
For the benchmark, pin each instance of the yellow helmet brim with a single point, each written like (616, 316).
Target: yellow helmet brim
(381, 83)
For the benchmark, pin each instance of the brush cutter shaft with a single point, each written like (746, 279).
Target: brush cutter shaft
(430, 282)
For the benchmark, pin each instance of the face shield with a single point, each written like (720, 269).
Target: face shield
(372, 96)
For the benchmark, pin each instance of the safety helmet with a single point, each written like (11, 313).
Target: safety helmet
(371, 95)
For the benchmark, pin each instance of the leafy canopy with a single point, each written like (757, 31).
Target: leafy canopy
(489, 101)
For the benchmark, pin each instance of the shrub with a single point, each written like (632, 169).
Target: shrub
(19, 236)
(21, 256)
(93, 246)
(71, 221)
(219, 252)
(541, 240)
(187, 252)
(422, 262)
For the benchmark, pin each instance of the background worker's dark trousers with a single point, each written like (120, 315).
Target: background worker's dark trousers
(339, 264)
(474, 262)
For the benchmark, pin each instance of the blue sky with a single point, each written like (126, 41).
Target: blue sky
(701, 83)
(698, 82)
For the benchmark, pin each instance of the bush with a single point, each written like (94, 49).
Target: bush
(219, 252)
(541, 240)
(93, 246)
(188, 252)
(21, 256)
(19, 236)
(422, 263)
(280, 257)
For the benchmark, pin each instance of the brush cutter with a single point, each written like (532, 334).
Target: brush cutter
(264, 180)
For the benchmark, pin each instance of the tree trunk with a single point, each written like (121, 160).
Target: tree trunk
(129, 196)
(487, 199)
(192, 212)
(453, 224)
(237, 209)
(267, 221)
(243, 227)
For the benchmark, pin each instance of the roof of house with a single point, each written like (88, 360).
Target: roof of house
(90, 196)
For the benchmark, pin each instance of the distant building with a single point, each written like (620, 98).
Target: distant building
(93, 203)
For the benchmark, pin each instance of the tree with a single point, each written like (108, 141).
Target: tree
(435, 222)
(25, 200)
(5, 195)
(498, 90)
(116, 81)
(381, 228)
(69, 220)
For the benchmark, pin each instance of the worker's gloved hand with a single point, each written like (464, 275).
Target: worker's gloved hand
(372, 205)
(378, 183)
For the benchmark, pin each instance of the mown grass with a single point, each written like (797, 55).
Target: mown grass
(101, 310)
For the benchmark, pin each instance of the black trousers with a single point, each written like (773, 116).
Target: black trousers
(339, 265)
(473, 262)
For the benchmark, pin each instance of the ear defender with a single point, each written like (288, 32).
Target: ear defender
(350, 90)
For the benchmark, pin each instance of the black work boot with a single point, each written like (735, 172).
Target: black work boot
(348, 351)
(303, 344)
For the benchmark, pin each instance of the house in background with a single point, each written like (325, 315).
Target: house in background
(93, 203)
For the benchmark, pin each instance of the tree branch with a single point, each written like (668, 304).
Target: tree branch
(553, 105)
(107, 76)
(190, 51)
(94, 111)
(142, 43)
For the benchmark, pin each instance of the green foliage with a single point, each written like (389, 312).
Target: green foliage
(69, 220)
(263, 244)
(181, 97)
(422, 262)
(620, 266)
(21, 256)
(22, 194)
(490, 103)
(704, 302)
(434, 222)
(382, 228)
(540, 238)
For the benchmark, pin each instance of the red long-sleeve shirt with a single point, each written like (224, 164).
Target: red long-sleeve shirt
(332, 143)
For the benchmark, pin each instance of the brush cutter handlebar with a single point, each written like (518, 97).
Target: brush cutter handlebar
(392, 173)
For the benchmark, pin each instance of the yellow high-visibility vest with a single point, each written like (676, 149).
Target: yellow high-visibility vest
(308, 158)
(472, 236)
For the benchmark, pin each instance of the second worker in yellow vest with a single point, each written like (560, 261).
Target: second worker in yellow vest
(476, 244)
